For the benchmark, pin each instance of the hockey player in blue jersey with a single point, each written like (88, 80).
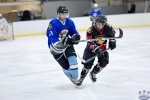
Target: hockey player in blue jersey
(95, 12)
(61, 34)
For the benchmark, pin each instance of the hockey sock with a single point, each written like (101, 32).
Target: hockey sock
(67, 73)
(74, 73)
(73, 66)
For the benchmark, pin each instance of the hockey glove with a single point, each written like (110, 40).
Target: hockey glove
(76, 38)
(96, 50)
(70, 41)
(112, 44)
(91, 18)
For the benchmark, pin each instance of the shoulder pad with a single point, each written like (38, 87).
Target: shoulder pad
(108, 25)
(89, 30)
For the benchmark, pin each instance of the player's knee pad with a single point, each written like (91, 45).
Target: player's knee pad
(97, 68)
(72, 60)
(67, 73)
(88, 66)
(103, 63)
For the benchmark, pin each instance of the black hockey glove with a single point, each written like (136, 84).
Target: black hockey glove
(96, 50)
(112, 44)
(70, 41)
(76, 37)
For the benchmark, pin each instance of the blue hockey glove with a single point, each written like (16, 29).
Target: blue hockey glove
(112, 44)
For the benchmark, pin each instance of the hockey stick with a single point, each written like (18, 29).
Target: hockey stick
(104, 38)
(86, 61)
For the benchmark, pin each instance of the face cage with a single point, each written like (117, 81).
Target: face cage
(103, 24)
(99, 22)
(66, 16)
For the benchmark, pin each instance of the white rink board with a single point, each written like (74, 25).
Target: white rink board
(82, 23)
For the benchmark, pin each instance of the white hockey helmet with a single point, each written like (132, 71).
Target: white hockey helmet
(95, 5)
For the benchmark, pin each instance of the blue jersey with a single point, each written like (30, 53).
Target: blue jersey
(95, 13)
(55, 28)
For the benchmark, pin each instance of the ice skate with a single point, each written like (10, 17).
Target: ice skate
(93, 76)
(80, 80)
(74, 81)
(71, 79)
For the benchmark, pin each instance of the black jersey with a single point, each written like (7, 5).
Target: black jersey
(93, 33)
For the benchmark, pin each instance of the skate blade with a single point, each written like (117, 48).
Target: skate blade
(78, 87)
(91, 78)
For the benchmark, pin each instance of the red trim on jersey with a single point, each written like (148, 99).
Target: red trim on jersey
(88, 37)
(103, 46)
(101, 31)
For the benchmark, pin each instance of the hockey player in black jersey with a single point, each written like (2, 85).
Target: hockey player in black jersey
(99, 29)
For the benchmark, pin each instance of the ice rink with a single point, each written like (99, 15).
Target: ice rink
(29, 72)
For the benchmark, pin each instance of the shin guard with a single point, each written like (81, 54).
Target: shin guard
(84, 71)
(97, 68)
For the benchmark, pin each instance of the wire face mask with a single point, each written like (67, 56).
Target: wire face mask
(99, 26)
(63, 15)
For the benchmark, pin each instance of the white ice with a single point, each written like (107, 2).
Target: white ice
(29, 72)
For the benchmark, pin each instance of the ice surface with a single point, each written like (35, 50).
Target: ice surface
(29, 72)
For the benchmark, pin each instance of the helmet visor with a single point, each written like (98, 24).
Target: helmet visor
(63, 15)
